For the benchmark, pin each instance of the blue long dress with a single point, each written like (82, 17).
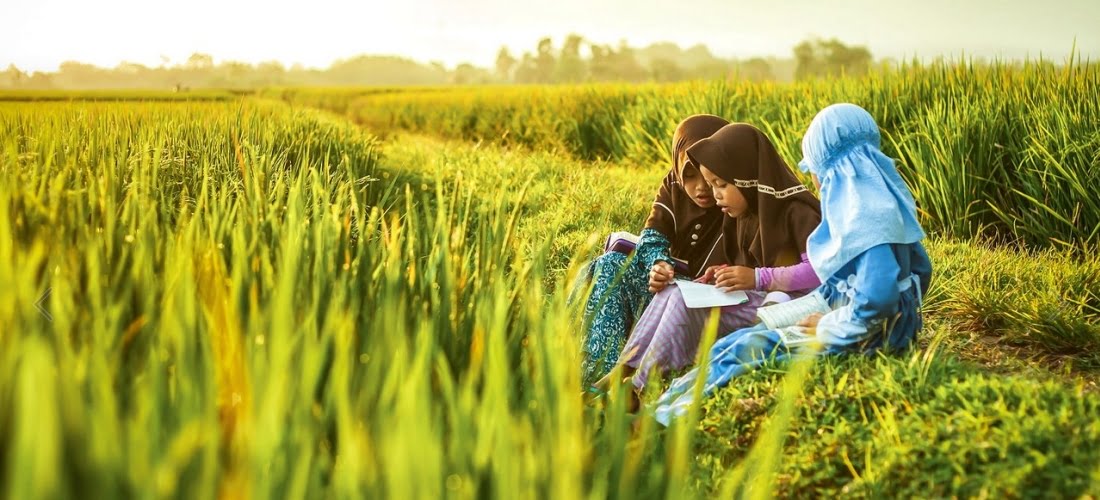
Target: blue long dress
(875, 301)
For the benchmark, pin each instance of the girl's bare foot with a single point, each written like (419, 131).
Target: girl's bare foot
(592, 394)
(622, 370)
(634, 403)
(602, 388)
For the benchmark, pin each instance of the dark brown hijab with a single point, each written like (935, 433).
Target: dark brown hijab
(691, 230)
(782, 212)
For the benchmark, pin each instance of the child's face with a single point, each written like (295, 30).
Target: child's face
(695, 186)
(726, 195)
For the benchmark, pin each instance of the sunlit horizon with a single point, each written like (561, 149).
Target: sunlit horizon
(47, 33)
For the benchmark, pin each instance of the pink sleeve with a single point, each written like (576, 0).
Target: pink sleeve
(788, 279)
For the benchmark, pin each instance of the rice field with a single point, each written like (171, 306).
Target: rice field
(118, 95)
(352, 293)
(1004, 152)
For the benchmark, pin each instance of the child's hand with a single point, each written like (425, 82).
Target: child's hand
(810, 321)
(660, 276)
(708, 275)
(735, 278)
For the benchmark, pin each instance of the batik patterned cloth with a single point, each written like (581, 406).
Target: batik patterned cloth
(620, 292)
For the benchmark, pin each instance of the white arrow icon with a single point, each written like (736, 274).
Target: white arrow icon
(41, 308)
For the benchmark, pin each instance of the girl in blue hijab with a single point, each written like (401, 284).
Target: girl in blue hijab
(867, 252)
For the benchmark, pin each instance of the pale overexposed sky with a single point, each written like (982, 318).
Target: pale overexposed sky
(40, 34)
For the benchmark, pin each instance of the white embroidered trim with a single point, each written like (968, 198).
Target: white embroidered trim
(706, 261)
(763, 188)
(791, 191)
(662, 205)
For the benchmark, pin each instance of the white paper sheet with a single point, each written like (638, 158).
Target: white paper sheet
(699, 295)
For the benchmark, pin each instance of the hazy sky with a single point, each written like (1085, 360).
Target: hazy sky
(39, 34)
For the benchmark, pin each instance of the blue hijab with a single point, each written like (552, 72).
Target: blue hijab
(864, 202)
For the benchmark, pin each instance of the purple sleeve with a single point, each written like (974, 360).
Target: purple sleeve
(788, 279)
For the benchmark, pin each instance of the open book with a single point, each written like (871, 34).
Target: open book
(698, 295)
(789, 313)
(625, 243)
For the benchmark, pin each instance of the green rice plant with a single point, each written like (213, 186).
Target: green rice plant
(248, 309)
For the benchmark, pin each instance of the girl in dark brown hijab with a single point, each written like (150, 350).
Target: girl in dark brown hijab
(769, 216)
(684, 223)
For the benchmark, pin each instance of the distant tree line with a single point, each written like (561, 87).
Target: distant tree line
(200, 71)
(575, 60)
(578, 60)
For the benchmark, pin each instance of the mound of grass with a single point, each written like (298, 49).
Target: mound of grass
(923, 425)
